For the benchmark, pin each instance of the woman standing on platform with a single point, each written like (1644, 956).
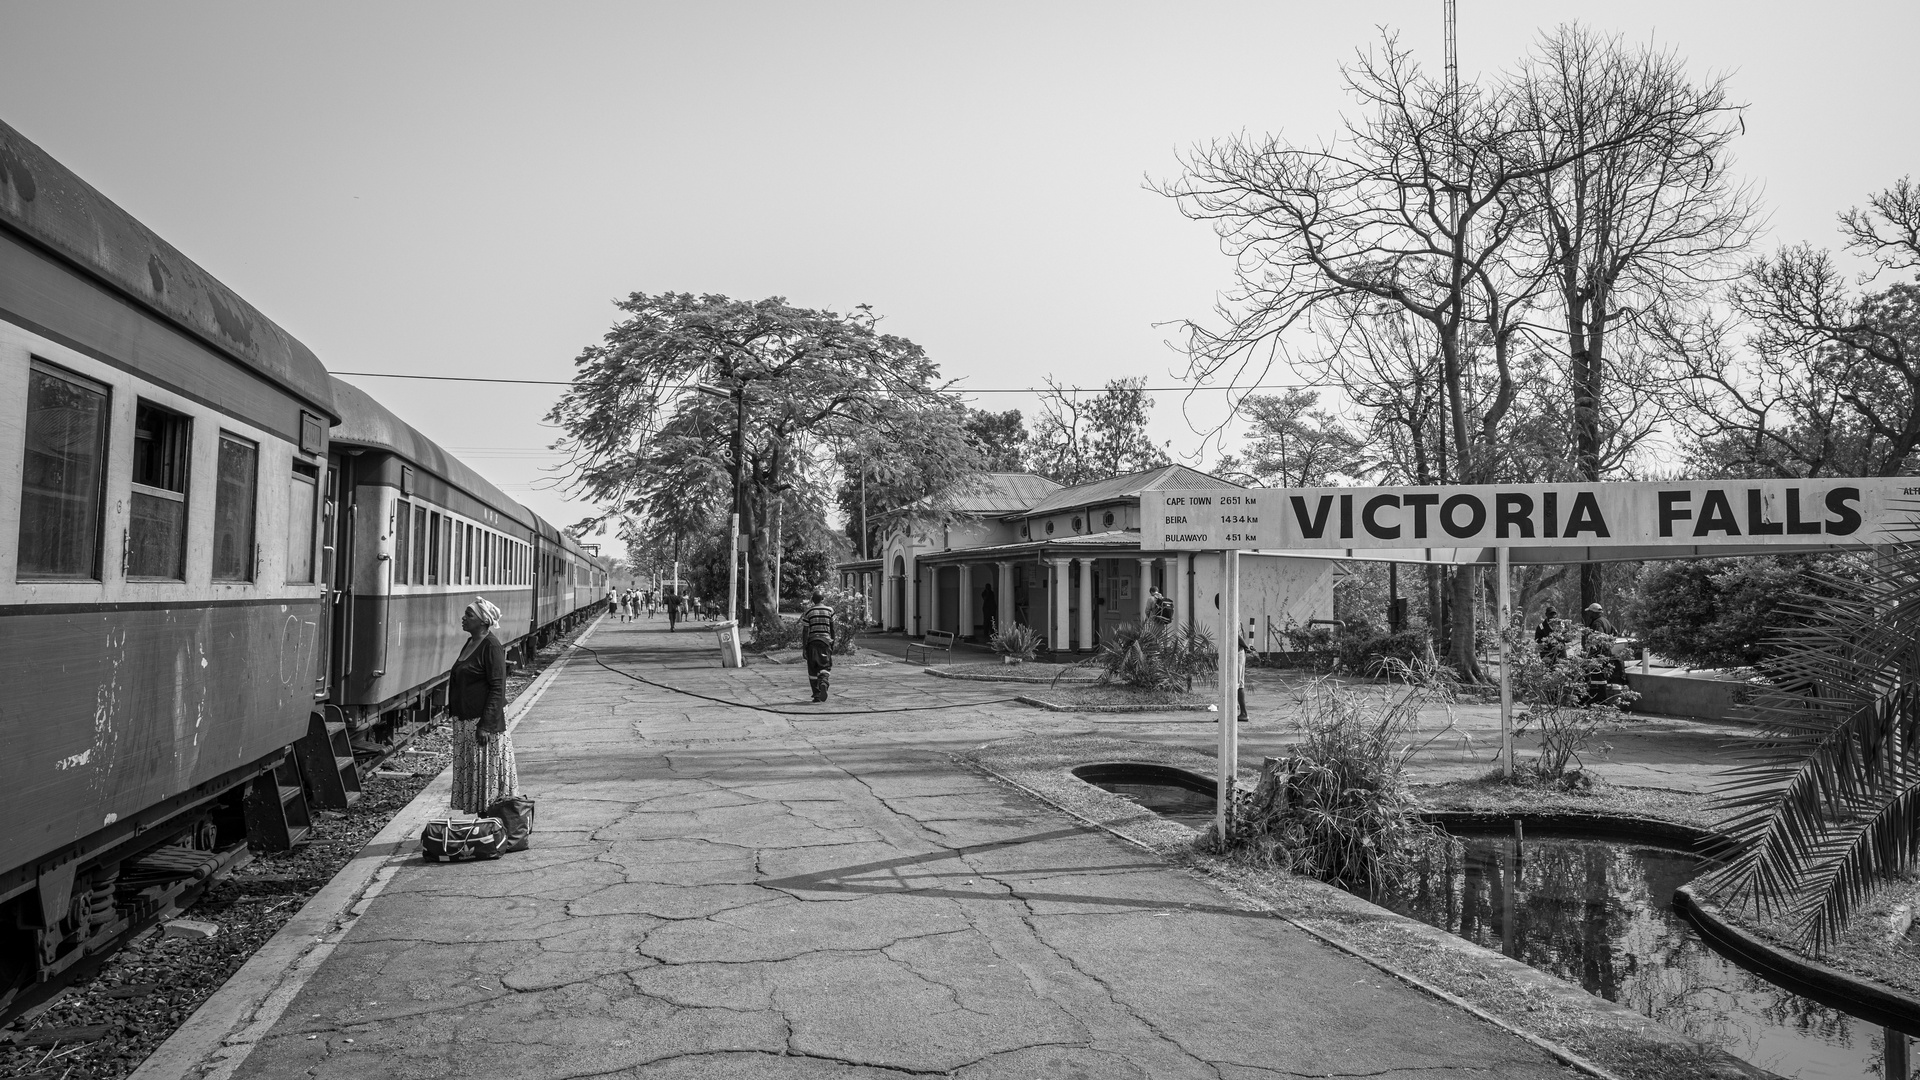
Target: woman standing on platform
(483, 771)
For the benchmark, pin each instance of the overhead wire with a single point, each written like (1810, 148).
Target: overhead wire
(949, 390)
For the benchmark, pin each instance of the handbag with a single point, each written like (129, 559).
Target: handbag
(456, 838)
(515, 815)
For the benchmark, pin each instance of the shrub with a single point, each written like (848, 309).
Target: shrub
(1018, 641)
(775, 635)
(1726, 612)
(1338, 808)
(1156, 655)
(1555, 683)
(849, 616)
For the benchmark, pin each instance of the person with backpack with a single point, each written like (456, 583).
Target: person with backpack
(816, 640)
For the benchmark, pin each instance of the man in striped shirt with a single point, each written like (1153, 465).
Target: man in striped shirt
(816, 633)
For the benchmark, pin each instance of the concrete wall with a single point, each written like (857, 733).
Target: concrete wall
(1701, 697)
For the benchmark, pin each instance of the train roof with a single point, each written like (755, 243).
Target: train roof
(48, 204)
(366, 422)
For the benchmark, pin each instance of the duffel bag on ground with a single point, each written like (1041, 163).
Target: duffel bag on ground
(456, 837)
(516, 818)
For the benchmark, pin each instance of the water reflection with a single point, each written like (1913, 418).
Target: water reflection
(1598, 914)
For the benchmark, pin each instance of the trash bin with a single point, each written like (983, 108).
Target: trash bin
(729, 643)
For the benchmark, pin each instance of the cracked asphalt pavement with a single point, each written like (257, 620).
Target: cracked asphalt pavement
(717, 890)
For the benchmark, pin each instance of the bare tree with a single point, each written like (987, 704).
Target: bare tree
(1829, 381)
(1640, 217)
(1418, 207)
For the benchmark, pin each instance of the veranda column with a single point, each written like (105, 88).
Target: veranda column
(1144, 589)
(1086, 604)
(910, 592)
(963, 626)
(1057, 636)
(1005, 589)
(932, 576)
(1172, 587)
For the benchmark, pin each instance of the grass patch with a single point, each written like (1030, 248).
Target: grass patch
(1492, 796)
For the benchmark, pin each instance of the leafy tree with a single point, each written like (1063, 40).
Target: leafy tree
(1001, 438)
(910, 470)
(1728, 612)
(787, 386)
(1292, 444)
(1081, 439)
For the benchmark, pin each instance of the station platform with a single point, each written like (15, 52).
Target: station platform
(730, 881)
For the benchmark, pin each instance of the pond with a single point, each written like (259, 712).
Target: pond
(1174, 794)
(1599, 913)
(1591, 911)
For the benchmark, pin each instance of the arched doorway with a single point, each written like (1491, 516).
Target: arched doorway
(897, 617)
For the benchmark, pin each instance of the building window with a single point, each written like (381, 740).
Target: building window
(157, 513)
(233, 504)
(402, 537)
(62, 486)
(1106, 520)
(303, 500)
(1049, 526)
(1076, 524)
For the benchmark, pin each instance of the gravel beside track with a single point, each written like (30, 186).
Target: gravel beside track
(105, 1025)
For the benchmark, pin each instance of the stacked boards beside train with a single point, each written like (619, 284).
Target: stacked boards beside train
(200, 635)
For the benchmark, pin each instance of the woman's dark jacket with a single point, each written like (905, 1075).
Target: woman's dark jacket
(477, 686)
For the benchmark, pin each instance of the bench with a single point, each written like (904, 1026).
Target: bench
(935, 639)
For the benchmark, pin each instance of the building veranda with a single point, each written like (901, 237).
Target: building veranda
(1067, 561)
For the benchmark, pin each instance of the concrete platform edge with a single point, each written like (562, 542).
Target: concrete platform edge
(223, 1031)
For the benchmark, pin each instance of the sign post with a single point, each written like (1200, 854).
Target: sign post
(1501, 618)
(1229, 758)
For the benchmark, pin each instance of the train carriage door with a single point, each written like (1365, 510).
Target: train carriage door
(337, 566)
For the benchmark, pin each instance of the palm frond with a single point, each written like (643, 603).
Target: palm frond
(1828, 806)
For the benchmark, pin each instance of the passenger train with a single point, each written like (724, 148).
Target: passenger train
(228, 581)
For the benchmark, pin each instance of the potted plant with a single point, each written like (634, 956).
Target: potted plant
(1015, 644)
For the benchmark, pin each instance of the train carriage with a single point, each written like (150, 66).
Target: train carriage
(211, 612)
(162, 628)
(418, 536)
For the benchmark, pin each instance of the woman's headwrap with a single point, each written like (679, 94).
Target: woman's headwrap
(483, 609)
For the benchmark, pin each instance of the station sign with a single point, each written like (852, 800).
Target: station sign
(1832, 512)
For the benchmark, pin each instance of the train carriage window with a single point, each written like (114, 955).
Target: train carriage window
(62, 488)
(432, 536)
(157, 519)
(420, 542)
(402, 541)
(303, 496)
(233, 507)
(467, 550)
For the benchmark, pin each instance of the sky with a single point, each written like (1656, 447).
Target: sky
(464, 189)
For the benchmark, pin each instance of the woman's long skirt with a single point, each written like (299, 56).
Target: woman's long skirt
(482, 775)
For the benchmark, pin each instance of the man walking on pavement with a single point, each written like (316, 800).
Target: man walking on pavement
(673, 610)
(816, 628)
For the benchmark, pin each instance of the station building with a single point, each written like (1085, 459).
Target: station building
(1067, 561)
